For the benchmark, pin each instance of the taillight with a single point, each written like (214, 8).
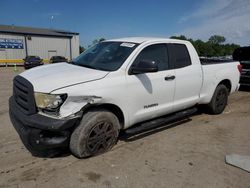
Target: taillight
(240, 68)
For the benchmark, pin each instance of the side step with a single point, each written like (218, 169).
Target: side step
(146, 126)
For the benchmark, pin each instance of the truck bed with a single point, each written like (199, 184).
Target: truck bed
(218, 70)
(209, 61)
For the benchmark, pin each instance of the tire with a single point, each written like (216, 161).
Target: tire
(219, 100)
(97, 133)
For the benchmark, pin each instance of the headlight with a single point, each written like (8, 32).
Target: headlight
(49, 101)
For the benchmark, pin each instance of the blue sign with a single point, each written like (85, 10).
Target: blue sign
(11, 43)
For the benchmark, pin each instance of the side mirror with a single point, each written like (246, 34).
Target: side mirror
(144, 66)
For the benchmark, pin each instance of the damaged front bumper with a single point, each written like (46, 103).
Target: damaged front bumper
(42, 135)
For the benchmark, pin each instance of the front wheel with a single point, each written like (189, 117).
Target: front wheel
(97, 133)
(219, 100)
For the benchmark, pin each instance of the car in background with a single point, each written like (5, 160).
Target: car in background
(58, 59)
(32, 61)
(243, 56)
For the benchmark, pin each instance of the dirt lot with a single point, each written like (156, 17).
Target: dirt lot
(191, 154)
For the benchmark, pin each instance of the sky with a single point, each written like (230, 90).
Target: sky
(93, 19)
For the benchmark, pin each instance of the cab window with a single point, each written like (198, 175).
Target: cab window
(157, 53)
(180, 55)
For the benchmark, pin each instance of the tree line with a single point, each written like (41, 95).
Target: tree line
(214, 47)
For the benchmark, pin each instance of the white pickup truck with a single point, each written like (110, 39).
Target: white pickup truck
(131, 84)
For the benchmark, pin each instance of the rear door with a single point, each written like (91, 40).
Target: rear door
(151, 94)
(188, 77)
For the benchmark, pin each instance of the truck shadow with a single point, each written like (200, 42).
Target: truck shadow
(146, 82)
(130, 138)
(125, 137)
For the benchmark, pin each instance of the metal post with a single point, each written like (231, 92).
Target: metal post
(70, 48)
(26, 47)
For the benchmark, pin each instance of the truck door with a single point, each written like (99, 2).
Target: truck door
(151, 94)
(188, 77)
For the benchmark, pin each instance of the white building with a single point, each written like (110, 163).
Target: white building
(18, 42)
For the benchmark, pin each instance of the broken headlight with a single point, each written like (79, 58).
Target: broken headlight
(49, 102)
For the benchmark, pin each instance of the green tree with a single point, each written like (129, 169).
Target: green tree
(81, 49)
(211, 48)
(217, 39)
(96, 41)
(181, 37)
(102, 39)
(199, 45)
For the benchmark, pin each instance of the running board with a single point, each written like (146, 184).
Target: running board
(146, 126)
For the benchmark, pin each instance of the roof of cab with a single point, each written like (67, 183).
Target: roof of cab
(145, 39)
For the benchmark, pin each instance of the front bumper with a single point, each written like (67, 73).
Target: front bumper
(41, 135)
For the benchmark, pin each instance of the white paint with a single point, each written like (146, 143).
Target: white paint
(194, 84)
(129, 45)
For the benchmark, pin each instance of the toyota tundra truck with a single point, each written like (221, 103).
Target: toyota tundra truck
(129, 85)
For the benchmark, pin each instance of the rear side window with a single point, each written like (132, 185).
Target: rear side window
(180, 55)
(157, 53)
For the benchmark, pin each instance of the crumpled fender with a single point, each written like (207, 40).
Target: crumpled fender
(74, 104)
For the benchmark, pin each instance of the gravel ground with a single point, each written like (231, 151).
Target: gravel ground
(190, 154)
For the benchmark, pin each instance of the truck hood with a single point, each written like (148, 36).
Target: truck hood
(48, 78)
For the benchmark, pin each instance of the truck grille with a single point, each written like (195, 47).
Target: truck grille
(23, 93)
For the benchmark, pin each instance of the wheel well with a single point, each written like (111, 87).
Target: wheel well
(226, 83)
(110, 107)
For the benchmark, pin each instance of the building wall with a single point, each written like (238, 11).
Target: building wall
(43, 46)
(75, 46)
(12, 53)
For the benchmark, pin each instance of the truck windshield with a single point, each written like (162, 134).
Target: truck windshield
(106, 56)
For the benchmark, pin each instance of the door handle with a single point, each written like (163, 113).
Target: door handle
(169, 78)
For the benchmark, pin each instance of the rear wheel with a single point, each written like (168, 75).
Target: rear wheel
(219, 100)
(96, 134)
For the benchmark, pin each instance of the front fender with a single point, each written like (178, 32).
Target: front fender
(74, 104)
